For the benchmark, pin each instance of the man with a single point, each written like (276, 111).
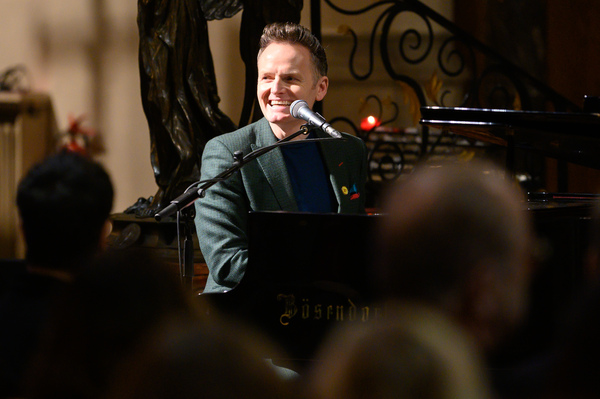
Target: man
(459, 239)
(64, 204)
(328, 176)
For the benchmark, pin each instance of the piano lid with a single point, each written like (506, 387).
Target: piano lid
(572, 137)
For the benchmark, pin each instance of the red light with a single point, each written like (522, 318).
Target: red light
(369, 123)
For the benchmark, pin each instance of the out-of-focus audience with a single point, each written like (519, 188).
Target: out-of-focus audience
(452, 264)
(103, 317)
(64, 203)
(454, 239)
(457, 237)
(415, 352)
(187, 359)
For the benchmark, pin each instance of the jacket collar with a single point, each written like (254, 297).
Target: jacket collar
(273, 167)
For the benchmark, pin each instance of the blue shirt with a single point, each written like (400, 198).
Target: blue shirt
(310, 180)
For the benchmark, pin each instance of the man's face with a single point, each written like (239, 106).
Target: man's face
(285, 74)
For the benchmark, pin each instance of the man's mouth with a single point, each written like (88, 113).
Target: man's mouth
(280, 103)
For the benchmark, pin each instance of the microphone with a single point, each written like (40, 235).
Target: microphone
(300, 109)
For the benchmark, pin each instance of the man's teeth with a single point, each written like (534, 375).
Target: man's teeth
(281, 102)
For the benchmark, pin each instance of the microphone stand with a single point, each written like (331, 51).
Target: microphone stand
(186, 266)
(181, 204)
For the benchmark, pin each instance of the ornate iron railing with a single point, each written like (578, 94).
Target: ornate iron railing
(485, 78)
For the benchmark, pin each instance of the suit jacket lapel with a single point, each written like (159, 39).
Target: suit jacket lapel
(273, 166)
(334, 158)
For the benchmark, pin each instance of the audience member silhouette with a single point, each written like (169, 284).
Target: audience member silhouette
(217, 360)
(64, 203)
(101, 319)
(415, 352)
(457, 237)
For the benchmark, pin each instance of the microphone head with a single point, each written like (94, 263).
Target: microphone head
(296, 106)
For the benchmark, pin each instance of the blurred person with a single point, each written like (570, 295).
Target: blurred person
(218, 360)
(415, 352)
(458, 238)
(64, 204)
(101, 319)
(323, 177)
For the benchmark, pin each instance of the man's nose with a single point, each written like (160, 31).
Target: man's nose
(278, 84)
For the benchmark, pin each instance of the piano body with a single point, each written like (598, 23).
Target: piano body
(307, 273)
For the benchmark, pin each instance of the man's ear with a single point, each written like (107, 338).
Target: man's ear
(322, 85)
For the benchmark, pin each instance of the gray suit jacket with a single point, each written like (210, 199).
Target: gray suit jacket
(262, 185)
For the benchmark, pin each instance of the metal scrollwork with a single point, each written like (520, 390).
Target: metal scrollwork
(498, 88)
(464, 73)
(453, 56)
(411, 39)
(386, 161)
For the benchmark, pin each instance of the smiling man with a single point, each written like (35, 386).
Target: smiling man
(324, 176)
(286, 73)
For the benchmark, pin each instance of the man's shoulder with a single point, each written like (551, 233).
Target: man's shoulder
(242, 136)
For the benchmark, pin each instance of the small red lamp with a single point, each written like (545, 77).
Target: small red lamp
(369, 123)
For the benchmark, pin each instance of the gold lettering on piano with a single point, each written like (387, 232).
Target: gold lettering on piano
(305, 309)
(339, 313)
(351, 311)
(318, 311)
(290, 308)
